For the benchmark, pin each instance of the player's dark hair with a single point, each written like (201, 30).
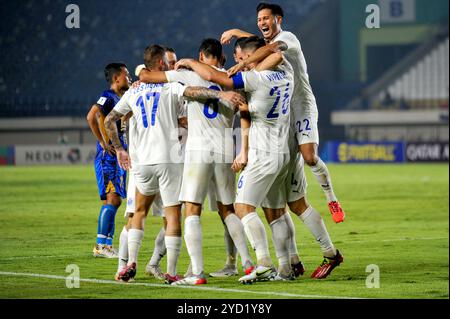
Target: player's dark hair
(113, 69)
(252, 43)
(169, 49)
(211, 47)
(275, 8)
(238, 43)
(152, 55)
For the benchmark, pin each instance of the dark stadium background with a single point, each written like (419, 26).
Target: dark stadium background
(48, 71)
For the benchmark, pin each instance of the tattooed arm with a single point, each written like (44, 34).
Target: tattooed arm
(202, 93)
(258, 56)
(111, 128)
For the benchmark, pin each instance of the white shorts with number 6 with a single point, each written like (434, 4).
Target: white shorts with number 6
(262, 183)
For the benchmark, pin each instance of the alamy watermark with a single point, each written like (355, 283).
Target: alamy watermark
(73, 19)
(373, 19)
(373, 279)
(73, 280)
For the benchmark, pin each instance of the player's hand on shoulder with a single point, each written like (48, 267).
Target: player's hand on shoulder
(183, 64)
(235, 69)
(232, 97)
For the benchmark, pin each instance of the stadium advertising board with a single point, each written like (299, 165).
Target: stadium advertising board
(370, 152)
(427, 152)
(54, 154)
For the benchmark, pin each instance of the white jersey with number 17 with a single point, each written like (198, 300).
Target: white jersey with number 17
(156, 108)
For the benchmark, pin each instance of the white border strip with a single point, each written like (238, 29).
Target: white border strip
(111, 282)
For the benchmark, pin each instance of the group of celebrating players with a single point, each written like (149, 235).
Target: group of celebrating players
(270, 90)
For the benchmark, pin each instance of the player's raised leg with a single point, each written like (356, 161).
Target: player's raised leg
(320, 171)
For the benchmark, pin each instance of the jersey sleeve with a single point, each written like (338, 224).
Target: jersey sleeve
(248, 81)
(184, 77)
(105, 103)
(123, 107)
(291, 41)
(177, 90)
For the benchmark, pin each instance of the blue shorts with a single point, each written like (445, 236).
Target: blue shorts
(110, 176)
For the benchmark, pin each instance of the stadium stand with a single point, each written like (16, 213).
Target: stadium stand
(49, 70)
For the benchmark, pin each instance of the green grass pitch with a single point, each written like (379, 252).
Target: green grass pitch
(397, 219)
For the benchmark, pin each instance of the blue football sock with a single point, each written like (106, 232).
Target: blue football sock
(103, 223)
(111, 218)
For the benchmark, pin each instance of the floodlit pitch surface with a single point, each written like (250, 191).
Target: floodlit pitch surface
(397, 219)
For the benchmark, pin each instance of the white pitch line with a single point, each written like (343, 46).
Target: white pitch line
(216, 289)
(300, 244)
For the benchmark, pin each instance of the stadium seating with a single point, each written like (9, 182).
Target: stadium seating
(50, 70)
(424, 85)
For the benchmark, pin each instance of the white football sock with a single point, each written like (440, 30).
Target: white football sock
(173, 245)
(135, 237)
(123, 249)
(231, 248)
(316, 226)
(293, 251)
(249, 236)
(322, 174)
(259, 237)
(281, 242)
(236, 231)
(160, 248)
(193, 239)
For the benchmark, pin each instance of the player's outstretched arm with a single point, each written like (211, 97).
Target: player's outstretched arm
(111, 128)
(202, 93)
(228, 35)
(147, 76)
(207, 72)
(270, 62)
(258, 56)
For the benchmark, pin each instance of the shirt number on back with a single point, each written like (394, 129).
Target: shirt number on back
(141, 103)
(284, 106)
(214, 103)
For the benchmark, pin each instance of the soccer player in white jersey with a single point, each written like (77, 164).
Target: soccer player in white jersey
(270, 18)
(159, 251)
(262, 181)
(210, 132)
(155, 108)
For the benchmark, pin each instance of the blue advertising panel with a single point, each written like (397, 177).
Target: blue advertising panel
(365, 152)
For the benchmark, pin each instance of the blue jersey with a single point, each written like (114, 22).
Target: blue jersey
(106, 102)
(110, 177)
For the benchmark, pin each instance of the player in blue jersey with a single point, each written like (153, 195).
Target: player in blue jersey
(111, 179)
